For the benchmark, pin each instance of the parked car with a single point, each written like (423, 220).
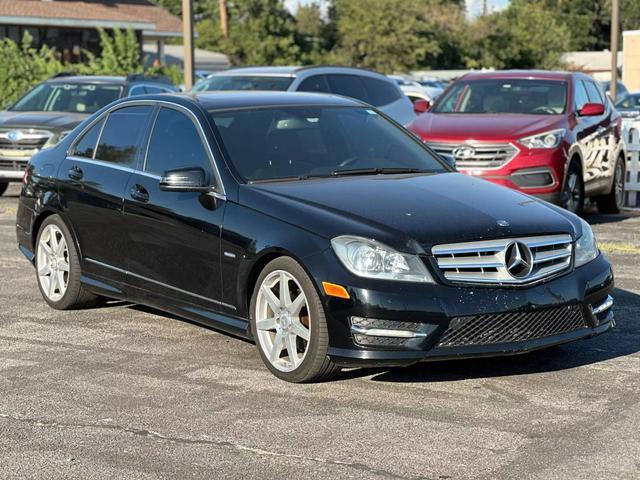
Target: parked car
(433, 86)
(629, 106)
(550, 134)
(370, 87)
(419, 96)
(621, 89)
(52, 109)
(311, 224)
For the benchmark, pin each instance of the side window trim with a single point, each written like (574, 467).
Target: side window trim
(216, 179)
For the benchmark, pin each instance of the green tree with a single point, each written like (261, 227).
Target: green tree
(23, 66)
(261, 32)
(315, 35)
(120, 54)
(385, 35)
(524, 35)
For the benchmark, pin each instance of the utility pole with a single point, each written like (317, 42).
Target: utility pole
(224, 19)
(485, 8)
(615, 13)
(187, 33)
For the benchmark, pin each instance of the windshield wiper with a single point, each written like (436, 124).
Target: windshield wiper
(376, 171)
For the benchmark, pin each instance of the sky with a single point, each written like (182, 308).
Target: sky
(474, 7)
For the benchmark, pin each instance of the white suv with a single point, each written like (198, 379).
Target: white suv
(365, 85)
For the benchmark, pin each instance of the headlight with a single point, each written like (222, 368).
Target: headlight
(371, 259)
(586, 246)
(56, 139)
(550, 139)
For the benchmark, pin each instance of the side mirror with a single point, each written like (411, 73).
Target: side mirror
(185, 180)
(420, 106)
(591, 110)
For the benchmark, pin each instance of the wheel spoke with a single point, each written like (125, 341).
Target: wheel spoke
(44, 270)
(292, 351)
(285, 294)
(47, 249)
(63, 266)
(266, 324)
(276, 348)
(52, 285)
(62, 246)
(295, 306)
(53, 240)
(61, 283)
(299, 329)
(272, 300)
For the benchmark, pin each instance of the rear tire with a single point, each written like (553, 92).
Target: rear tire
(58, 268)
(3, 187)
(613, 201)
(289, 327)
(573, 190)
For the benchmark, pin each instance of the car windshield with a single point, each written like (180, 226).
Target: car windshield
(299, 142)
(243, 82)
(522, 96)
(68, 97)
(629, 102)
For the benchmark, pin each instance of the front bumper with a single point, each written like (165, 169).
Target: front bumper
(433, 310)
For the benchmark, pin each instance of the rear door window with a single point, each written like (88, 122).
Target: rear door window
(349, 86)
(317, 83)
(86, 146)
(122, 135)
(380, 92)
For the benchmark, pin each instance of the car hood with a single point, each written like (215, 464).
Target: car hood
(408, 212)
(481, 126)
(56, 121)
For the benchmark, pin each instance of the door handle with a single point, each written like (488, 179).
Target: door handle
(76, 173)
(139, 193)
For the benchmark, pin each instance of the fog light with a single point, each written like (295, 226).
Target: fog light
(533, 179)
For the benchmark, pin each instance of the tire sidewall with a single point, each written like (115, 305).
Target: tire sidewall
(317, 324)
(574, 168)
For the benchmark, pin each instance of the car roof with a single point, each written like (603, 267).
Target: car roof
(522, 74)
(232, 100)
(292, 70)
(88, 79)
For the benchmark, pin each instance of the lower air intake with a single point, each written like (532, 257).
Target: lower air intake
(512, 326)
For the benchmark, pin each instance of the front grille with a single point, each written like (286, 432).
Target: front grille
(17, 165)
(512, 326)
(24, 140)
(493, 262)
(481, 155)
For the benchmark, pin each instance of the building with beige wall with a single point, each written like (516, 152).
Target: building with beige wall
(631, 60)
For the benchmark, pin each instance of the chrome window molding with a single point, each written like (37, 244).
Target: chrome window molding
(132, 103)
(487, 262)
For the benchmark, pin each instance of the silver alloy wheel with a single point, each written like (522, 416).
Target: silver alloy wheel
(52, 263)
(280, 321)
(618, 185)
(572, 192)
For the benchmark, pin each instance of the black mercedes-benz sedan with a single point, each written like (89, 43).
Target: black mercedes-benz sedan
(312, 224)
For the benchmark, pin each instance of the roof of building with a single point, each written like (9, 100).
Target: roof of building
(138, 14)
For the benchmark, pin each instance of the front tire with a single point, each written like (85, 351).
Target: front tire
(58, 268)
(3, 187)
(573, 190)
(613, 201)
(289, 325)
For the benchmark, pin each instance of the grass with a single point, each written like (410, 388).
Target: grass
(624, 248)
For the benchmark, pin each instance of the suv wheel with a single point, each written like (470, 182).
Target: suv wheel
(573, 190)
(3, 188)
(613, 201)
(288, 324)
(58, 267)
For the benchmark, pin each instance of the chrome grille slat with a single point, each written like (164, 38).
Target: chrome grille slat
(30, 139)
(485, 261)
(486, 155)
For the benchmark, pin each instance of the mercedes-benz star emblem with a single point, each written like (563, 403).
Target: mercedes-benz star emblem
(519, 260)
(14, 135)
(463, 152)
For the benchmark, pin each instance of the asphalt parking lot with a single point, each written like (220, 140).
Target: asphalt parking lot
(127, 392)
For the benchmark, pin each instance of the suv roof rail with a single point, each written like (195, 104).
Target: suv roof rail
(140, 77)
(63, 74)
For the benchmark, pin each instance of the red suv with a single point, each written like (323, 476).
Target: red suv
(554, 135)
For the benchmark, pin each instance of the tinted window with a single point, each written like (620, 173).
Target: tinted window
(348, 85)
(594, 93)
(137, 90)
(243, 82)
(122, 135)
(87, 144)
(380, 92)
(175, 143)
(581, 96)
(316, 141)
(317, 83)
(630, 101)
(511, 95)
(68, 97)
